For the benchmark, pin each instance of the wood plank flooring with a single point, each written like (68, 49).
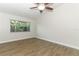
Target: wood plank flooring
(35, 47)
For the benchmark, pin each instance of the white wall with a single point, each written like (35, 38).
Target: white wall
(61, 26)
(6, 35)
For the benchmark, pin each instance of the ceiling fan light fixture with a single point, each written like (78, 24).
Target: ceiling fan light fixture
(41, 7)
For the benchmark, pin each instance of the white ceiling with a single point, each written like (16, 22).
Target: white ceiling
(22, 9)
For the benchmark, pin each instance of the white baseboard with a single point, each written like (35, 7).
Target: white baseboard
(71, 46)
(15, 40)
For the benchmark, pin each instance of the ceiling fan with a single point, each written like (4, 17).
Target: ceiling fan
(42, 6)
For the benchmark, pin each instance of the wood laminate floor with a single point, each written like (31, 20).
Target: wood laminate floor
(36, 47)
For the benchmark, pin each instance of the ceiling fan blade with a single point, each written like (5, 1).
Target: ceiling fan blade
(46, 3)
(49, 8)
(37, 3)
(33, 7)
